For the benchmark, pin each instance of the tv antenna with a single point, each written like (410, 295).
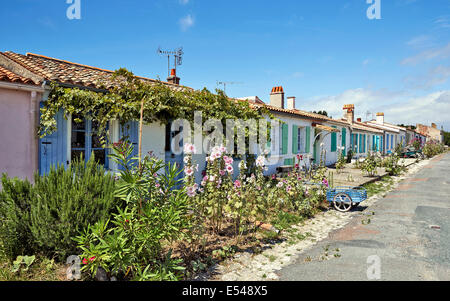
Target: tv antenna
(227, 83)
(369, 114)
(177, 55)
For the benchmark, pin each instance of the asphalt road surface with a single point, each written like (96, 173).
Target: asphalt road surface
(407, 237)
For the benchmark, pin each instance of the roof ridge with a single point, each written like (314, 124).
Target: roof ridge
(67, 62)
(99, 69)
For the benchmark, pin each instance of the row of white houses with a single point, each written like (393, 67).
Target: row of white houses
(25, 85)
(313, 135)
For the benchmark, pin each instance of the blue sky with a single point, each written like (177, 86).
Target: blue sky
(326, 53)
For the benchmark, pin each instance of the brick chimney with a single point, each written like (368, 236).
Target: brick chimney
(291, 103)
(380, 118)
(349, 113)
(277, 97)
(173, 78)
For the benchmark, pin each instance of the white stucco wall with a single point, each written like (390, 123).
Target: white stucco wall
(153, 139)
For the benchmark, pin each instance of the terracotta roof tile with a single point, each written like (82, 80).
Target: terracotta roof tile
(66, 72)
(8, 76)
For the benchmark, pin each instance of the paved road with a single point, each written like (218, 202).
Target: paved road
(400, 233)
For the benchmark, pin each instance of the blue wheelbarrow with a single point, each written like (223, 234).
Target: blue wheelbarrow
(344, 198)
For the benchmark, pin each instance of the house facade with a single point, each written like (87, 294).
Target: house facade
(19, 103)
(432, 133)
(362, 137)
(25, 85)
(393, 135)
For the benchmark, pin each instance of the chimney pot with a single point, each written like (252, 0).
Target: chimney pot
(359, 120)
(173, 78)
(380, 118)
(277, 97)
(349, 113)
(291, 103)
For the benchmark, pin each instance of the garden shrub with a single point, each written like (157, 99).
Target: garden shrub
(432, 149)
(66, 201)
(15, 200)
(132, 245)
(370, 164)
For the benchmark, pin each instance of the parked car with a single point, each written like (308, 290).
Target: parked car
(411, 152)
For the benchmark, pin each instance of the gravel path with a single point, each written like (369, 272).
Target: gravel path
(260, 267)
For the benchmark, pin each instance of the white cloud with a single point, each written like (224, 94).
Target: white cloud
(443, 22)
(437, 53)
(398, 107)
(420, 41)
(435, 76)
(184, 2)
(187, 22)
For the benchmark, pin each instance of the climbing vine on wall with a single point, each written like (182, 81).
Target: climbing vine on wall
(123, 102)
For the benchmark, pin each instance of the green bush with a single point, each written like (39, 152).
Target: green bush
(43, 218)
(67, 201)
(432, 149)
(130, 246)
(15, 200)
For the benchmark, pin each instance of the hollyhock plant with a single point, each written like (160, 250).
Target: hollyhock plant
(189, 149)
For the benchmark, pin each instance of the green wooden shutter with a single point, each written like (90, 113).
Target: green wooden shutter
(284, 146)
(333, 141)
(308, 140)
(344, 140)
(295, 139)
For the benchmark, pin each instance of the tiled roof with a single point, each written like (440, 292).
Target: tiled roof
(363, 127)
(383, 127)
(66, 72)
(8, 76)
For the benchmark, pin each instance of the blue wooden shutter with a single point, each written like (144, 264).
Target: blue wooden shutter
(53, 148)
(130, 131)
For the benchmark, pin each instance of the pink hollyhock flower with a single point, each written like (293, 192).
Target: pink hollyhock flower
(260, 161)
(190, 190)
(205, 178)
(189, 171)
(229, 168)
(237, 184)
(222, 172)
(189, 149)
(212, 178)
(325, 182)
(297, 166)
(280, 184)
(288, 188)
(274, 177)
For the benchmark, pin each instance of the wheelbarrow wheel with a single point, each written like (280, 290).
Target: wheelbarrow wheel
(342, 202)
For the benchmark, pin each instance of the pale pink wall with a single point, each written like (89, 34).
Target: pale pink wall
(18, 142)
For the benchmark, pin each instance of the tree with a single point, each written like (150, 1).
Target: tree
(446, 138)
(324, 113)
